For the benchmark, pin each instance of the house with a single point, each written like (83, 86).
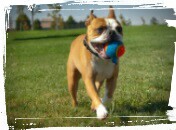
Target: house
(46, 23)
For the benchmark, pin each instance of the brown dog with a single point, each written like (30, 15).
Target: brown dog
(87, 58)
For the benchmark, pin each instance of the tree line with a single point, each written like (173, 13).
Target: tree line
(24, 23)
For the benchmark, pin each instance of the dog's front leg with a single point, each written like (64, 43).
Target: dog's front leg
(98, 84)
(92, 92)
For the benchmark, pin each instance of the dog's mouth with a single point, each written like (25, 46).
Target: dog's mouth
(99, 47)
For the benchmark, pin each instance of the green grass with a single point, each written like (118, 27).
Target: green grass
(36, 84)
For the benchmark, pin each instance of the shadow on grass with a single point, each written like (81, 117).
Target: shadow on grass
(46, 37)
(152, 107)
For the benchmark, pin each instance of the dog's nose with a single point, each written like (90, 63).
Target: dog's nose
(112, 33)
(114, 36)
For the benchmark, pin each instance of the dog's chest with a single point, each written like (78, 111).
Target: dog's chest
(103, 68)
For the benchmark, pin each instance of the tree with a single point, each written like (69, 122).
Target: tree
(128, 22)
(22, 22)
(37, 24)
(153, 21)
(81, 24)
(122, 20)
(54, 13)
(34, 9)
(61, 22)
(20, 9)
(143, 21)
(70, 22)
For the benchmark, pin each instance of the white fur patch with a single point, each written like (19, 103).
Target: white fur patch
(102, 38)
(103, 67)
(111, 23)
(101, 112)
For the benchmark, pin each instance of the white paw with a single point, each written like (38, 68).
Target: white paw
(101, 111)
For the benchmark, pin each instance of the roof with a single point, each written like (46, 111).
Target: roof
(47, 20)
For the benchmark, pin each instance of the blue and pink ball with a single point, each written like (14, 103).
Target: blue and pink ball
(114, 50)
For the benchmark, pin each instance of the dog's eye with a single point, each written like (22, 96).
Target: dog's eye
(119, 29)
(100, 30)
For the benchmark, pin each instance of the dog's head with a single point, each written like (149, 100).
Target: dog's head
(103, 30)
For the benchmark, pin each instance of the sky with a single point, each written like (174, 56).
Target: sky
(80, 12)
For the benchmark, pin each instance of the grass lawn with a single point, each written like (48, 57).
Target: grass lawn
(36, 83)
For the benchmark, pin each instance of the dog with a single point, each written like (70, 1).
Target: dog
(87, 59)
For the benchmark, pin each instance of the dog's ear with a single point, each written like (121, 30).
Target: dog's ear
(90, 18)
(111, 13)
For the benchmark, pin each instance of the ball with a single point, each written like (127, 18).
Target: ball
(114, 50)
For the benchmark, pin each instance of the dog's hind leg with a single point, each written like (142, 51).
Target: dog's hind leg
(110, 88)
(73, 77)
